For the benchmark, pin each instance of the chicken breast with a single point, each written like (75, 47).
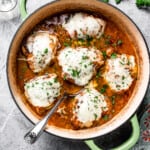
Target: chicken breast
(41, 49)
(119, 72)
(78, 65)
(81, 25)
(88, 107)
(42, 91)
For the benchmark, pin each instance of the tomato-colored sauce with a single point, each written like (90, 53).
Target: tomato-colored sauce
(115, 101)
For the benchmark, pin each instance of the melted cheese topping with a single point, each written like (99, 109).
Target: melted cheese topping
(43, 90)
(42, 46)
(89, 107)
(118, 72)
(77, 64)
(81, 25)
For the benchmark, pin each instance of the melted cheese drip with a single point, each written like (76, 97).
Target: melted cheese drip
(118, 74)
(90, 105)
(77, 64)
(84, 25)
(43, 90)
(42, 47)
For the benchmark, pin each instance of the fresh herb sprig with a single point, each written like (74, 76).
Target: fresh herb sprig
(139, 3)
(143, 3)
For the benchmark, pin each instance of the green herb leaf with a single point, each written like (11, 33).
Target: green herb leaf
(123, 77)
(103, 89)
(85, 57)
(65, 77)
(143, 3)
(67, 44)
(98, 74)
(113, 99)
(121, 63)
(119, 42)
(113, 55)
(81, 40)
(46, 50)
(104, 54)
(49, 83)
(27, 86)
(55, 80)
(95, 116)
(105, 117)
(75, 73)
(85, 66)
(89, 38)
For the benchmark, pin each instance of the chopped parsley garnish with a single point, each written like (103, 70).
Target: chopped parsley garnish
(40, 62)
(67, 44)
(65, 77)
(128, 62)
(55, 80)
(88, 90)
(98, 74)
(81, 40)
(49, 83)
(95, 106)
(66, 55)
(89, 38)
(105, 117)
(123, 77)
(46, 50)
(121, 63)
(113, 55)
(103, 89)
(95, 116)
(85, 66)
(107, 42)
(107, 39)
(75, 73)
(85, 57)
(91, 63)
(95, 99)
(119, 42)
(104, 54)
(27, 86)
(113, 99)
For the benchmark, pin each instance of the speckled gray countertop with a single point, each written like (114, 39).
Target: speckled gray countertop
(13, 124)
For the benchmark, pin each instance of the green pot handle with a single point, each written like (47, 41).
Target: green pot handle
(127, 144)
(22, 7)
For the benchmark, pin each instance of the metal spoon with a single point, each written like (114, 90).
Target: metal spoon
(32, 136)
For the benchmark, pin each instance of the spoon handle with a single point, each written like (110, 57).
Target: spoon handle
(36, 131)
